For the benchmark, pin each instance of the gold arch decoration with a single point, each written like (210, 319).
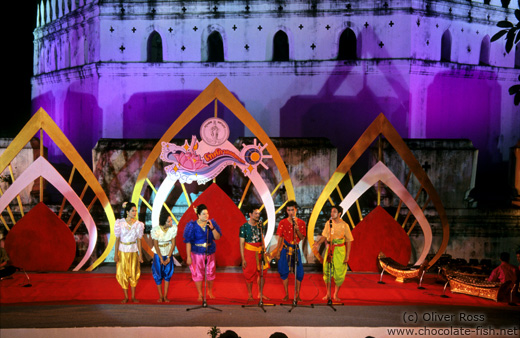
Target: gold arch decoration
(215, 91)
(40, 122)
(381, 126)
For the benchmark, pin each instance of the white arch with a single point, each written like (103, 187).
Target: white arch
(41, 167)
(262, 189)
(380, 172)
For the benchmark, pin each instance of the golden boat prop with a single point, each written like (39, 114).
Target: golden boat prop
(401, 272)
(478, 287)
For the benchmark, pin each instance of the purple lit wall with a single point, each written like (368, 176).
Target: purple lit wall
(458, 107)
(95, 82)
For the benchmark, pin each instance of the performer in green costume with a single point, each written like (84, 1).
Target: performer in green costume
(339, 239)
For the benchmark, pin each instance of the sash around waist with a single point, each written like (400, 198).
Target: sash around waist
(253, 247)
(290, 245)
(338, 242)
(128, 243)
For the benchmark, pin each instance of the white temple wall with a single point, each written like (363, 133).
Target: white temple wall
(404, 34)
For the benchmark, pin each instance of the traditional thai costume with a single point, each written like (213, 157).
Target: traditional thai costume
(128, 267)
(164, 239)
(252, 250)
(339, 235)
(290, 249)
(202, 241)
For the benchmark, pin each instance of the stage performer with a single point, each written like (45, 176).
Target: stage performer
(200, 236)
(128, 255)
(163, 237)
(287, 248)
(251, 249)
(338, 250)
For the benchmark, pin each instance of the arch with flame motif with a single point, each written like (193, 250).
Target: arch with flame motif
(382, 127)
(40, 122)
(215, 91)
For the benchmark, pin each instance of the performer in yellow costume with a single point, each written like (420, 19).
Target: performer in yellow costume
(339, 240)
(128, 232)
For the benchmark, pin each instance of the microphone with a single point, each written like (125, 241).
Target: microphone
(208, 223)
(262, 226)
(331, 231)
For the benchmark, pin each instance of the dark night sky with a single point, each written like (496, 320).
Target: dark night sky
(17, 51)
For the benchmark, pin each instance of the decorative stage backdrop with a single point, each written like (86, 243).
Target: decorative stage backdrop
(43, 239)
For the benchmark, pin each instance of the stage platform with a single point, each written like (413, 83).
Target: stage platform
(87, 304)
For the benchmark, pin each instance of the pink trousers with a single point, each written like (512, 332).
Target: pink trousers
(197, 267)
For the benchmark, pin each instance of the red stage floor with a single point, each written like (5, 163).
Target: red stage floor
(102, 288)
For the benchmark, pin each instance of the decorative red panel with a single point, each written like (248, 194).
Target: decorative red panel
(41, 241)
(378, 232)
(222, 209)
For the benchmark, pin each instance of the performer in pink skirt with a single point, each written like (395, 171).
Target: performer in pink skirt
(200, 236)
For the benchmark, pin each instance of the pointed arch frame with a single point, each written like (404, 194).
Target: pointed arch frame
(41, 167)
(214, 91)
(381, 126)
(42, 121)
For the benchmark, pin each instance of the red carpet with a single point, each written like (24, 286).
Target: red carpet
(101, 288)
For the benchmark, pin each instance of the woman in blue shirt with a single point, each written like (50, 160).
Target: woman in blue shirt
(200, 236)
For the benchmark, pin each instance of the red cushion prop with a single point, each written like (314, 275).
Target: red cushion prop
(222, 209)
(41, 241)
(378, 232)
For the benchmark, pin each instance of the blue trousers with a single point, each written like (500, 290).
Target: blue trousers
(286, 262)
(160, 271)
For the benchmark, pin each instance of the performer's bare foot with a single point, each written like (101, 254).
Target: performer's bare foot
(250, 299)
(166, 300)
(200, 298)
(135, 300)
(124, 301)
(298, 299)
(211, 295)
(337, 299)
(264, 297)
(327, 297)
(160, 300)
(286, 298)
